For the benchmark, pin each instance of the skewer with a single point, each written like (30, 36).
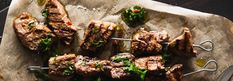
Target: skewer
(204, 68)
(33, 68)
(194, 45)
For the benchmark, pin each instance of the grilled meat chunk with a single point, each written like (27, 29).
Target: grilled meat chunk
(97, 35)
(30, 32)
(175, 73)
(145, 42)
(183, 44)
(151, 63)
(118, 70)
(62, 65)
(90, 67)
(59, 22)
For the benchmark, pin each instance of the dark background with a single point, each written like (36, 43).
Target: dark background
(220, 7)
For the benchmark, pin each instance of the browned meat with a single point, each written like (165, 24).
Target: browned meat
(97, 35)
(30, 32)
(62, 65)
(145, 42)
(175, 73)
(183, 44)
(118, 70)
(151, 63)
(90, 67)
(59, 22)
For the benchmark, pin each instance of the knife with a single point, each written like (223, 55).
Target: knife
(226, 75)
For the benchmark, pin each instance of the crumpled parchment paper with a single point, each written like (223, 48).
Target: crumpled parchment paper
(14, 58)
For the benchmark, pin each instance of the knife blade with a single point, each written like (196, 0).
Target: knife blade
(226, 75)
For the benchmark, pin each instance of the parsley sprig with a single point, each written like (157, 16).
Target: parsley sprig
(130, 67)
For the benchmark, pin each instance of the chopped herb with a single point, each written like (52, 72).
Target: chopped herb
(69, 70)
(31, 24)
(134, 15)
(130, 67)
(45, 13)
(46, 44)
(99, 66)
(97, 43)
(94, 30)
(98, 79)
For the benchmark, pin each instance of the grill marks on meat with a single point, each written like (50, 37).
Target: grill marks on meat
(97, 35)
(175, 73)
(151, 63)
(90, 67)
(145, 42)
(59, 22)
(30, 32)
(116, 70)
(183, 44)
(58, 64)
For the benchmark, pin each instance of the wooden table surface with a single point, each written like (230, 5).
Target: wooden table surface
(220, 7)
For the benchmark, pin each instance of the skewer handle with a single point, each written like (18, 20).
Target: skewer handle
(204, 48)
(205, 68)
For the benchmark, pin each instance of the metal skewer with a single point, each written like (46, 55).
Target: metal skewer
(194, 45)
(33, 68)
(205, 68)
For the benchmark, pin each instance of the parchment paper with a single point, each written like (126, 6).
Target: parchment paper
(14, 58)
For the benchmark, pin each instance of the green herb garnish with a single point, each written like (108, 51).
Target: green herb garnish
(45, 13)
(99, 66)
(69, 70)
(130, 67)
(134, 16)
(97, 43)
(31, 24)
(46, 44)
(98, 79)
(94, 30)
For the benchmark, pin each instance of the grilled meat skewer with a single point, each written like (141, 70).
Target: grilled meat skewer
(30, 32)
(183, 44)
(59, 22)
(152, 43)
(144, 42)
(97, 35)
(116, 68)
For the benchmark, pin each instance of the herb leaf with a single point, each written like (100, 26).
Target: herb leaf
(30, 25)
(130, 67)
(45, 13)
(134, 15)
(46, 44)
(69, 70)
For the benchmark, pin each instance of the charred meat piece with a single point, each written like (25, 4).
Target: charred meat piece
(97, 35)
(118, 70)
(62, 65)
(152, 63)
(175, 73)
(183, 44)
(30, 32)
(145, 42)
(90, 67)
(59, 22)
(119, 73)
